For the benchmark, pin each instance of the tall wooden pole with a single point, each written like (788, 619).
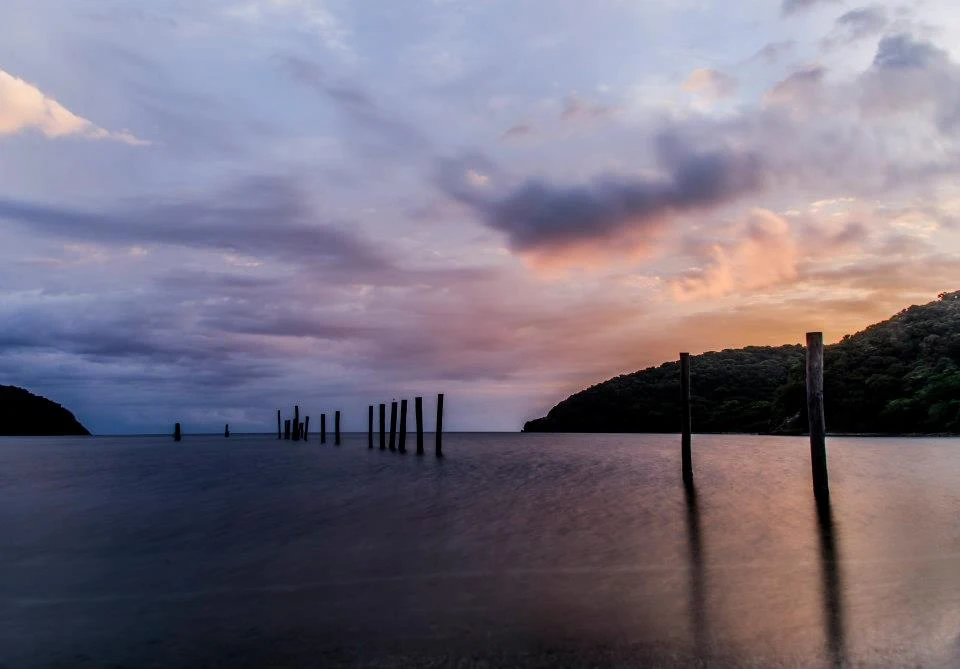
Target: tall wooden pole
(323, 428)
(439, 435)
(818, 426)
(685, 421)
(418, 412)
(402, 445)
(279, 434)
(383, 427)
(370, 427)
(393, 426)
(306, 428)
(296, 422)
(336, 428)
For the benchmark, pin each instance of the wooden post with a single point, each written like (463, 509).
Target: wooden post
(279, 434)
(818, 426)
(418, 412)
(439, 435)
(286, 429)
(296, 422)
(226, 430)
(383, 427)
(336, 428)
(685, 453)
(370, 427)
(402, 446)
(176, 432)
(301, 431)
(306, 428)
(323, 428)
(393, 426)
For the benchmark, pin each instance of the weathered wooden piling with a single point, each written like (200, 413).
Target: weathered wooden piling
(402, 444)
(323, 428)
(176, 432)
(300, 432)
(336, 428)
(393, 426)
(279, 433)
(306, 428)
(817, 421)
(383, 427)
(286, 429)
(226, 430)
(439, 437)
(685, 422)
(418, 414)
(370, 427)
(296, 422)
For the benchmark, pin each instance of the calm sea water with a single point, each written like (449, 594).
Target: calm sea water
(514, 550)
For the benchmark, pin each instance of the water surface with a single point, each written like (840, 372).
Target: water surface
(514, 550)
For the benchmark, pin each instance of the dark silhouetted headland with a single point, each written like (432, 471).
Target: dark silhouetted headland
(900, 376)
(24, 414)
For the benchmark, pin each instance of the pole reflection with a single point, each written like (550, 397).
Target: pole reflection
(697, 603)
(831, 582)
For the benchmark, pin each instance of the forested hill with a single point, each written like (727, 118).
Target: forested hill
(24, 414)
(900, 376)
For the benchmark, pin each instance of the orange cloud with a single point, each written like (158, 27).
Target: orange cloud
(766, 254)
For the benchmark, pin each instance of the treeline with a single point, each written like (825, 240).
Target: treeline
(900, 376)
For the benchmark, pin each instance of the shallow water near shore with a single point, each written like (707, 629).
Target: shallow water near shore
(513, 550)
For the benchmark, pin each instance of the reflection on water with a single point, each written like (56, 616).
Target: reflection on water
(832, 585)
(519, 550)
(698, 613)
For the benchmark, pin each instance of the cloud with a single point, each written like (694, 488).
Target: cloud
(764, 254)
(24, 107)
(576, 108)
(710, 84)
(909, 75)
(789, 7)
(773, 52)
(541, 217)
(259, 216)
(518, 131)
(313, 15)
(798, 90)
(374, 129)
(904, 52)
(857, 24)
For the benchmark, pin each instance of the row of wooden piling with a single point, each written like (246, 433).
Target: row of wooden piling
(298, 431)
(400, 445)
(815, 416)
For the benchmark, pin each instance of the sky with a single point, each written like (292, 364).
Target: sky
(211, 209)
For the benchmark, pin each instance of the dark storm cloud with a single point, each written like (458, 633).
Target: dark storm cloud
(539, 215)
(789, 7)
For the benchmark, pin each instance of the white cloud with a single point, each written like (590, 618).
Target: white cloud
(25, 107)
